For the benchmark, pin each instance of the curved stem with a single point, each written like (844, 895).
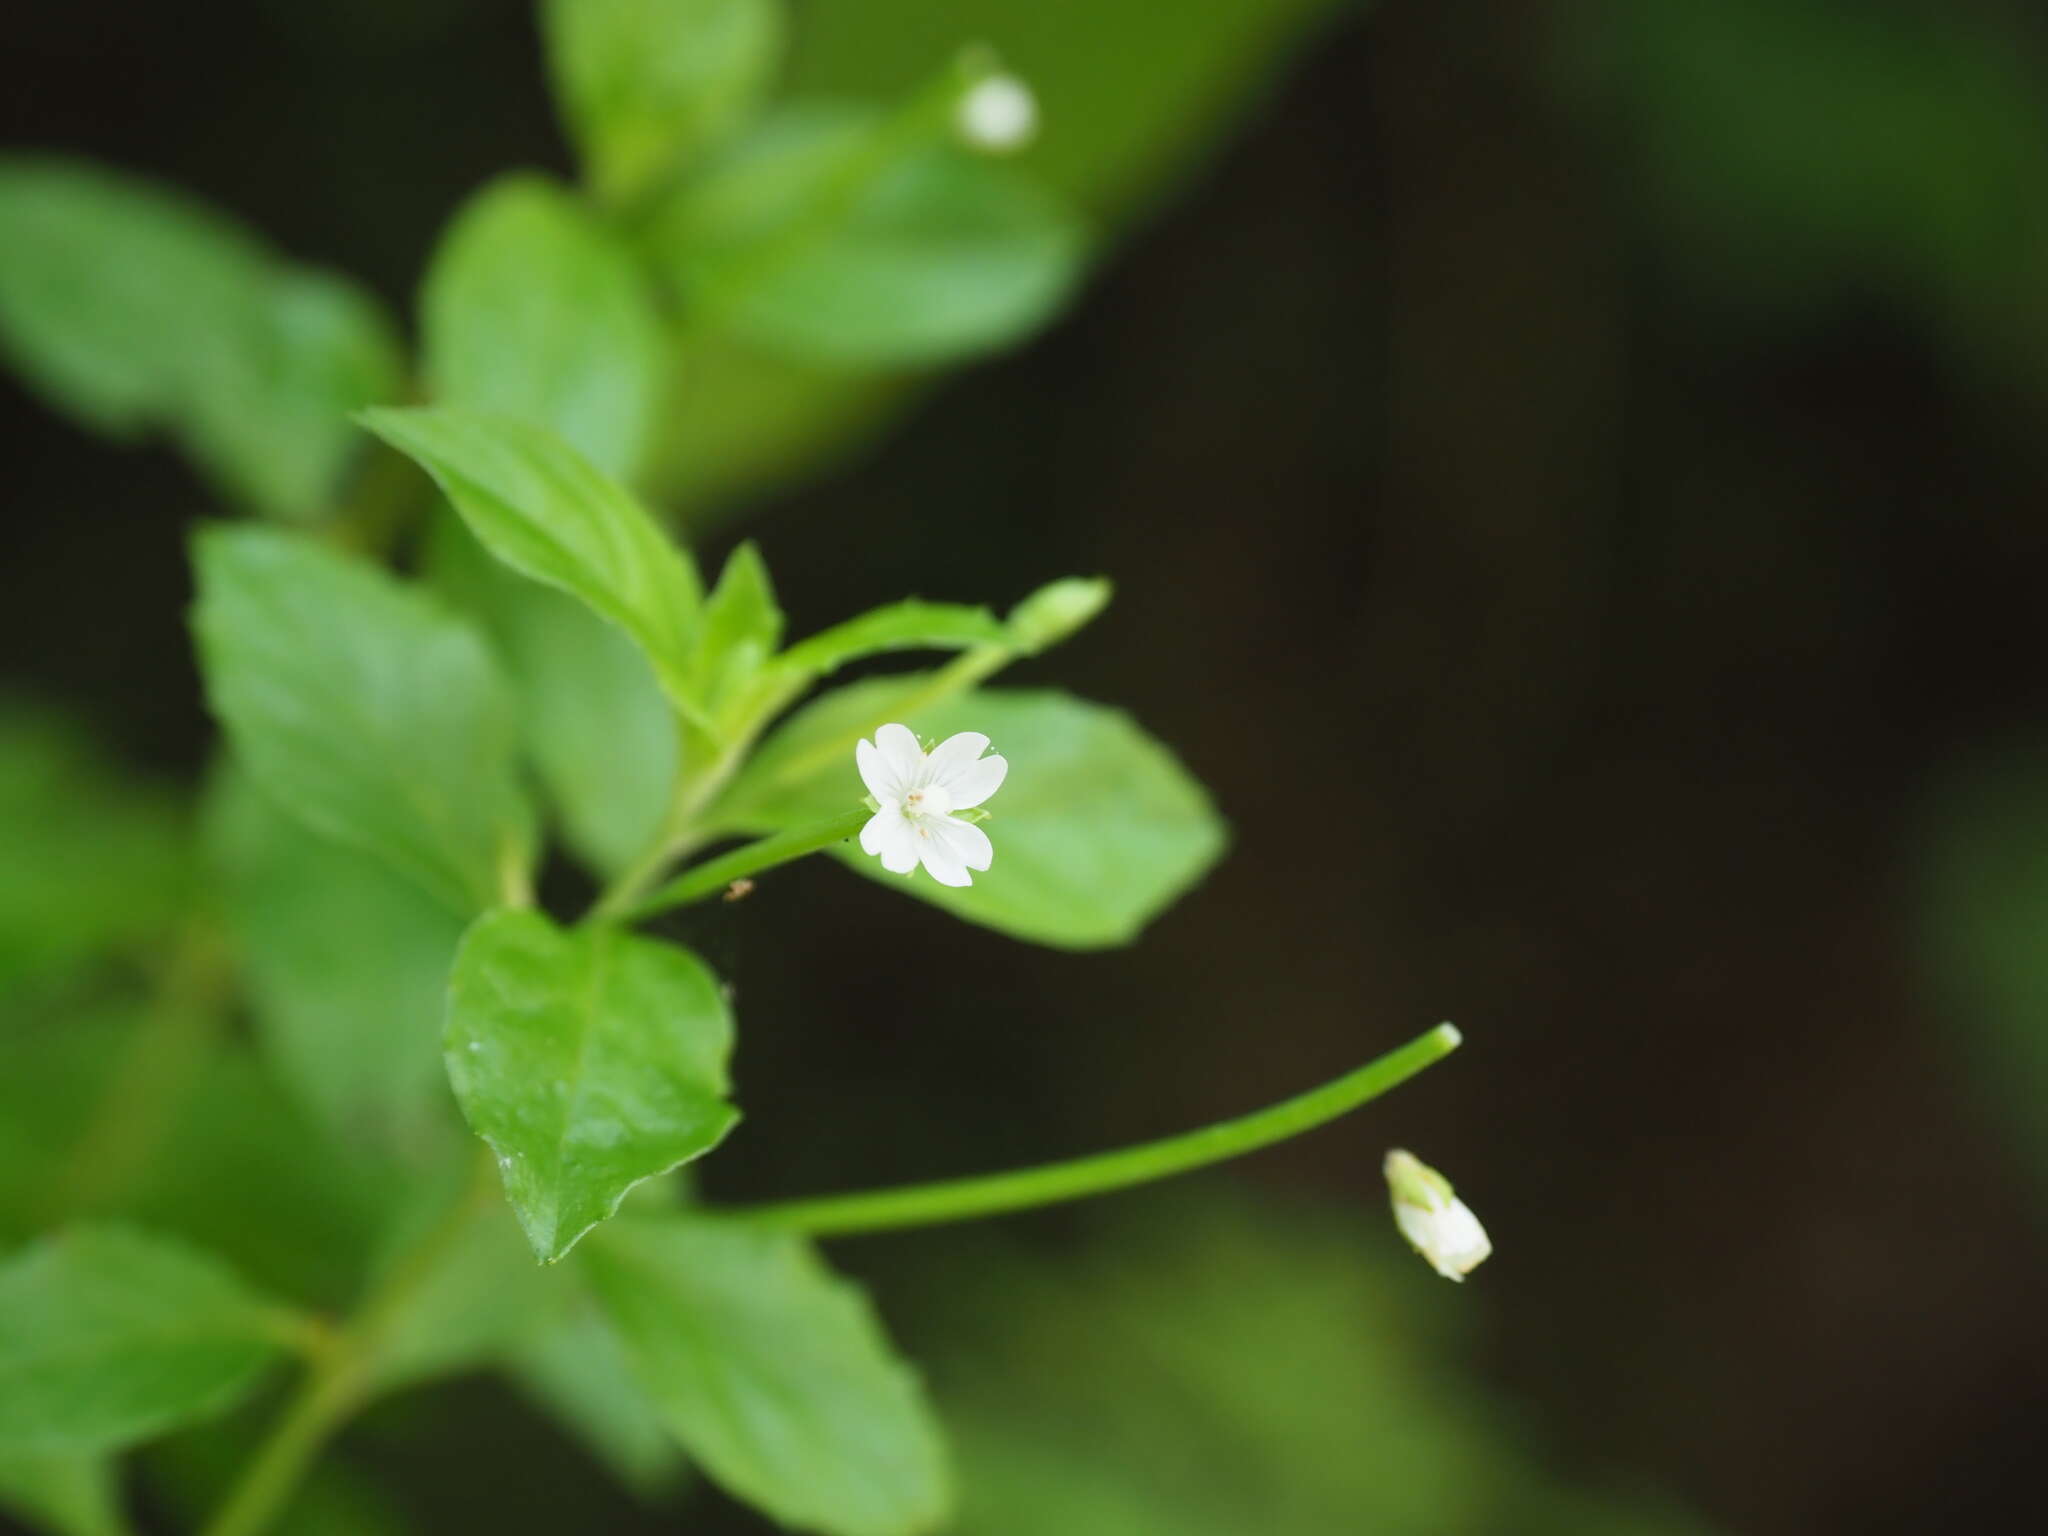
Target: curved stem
(918, 1205)
(343, 1378)
(714, 875)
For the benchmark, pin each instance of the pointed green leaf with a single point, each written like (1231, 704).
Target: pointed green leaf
(347, 965)
(741, 627)
(109, 1335)
(599, 731)
(365, 709)
(774, 1374)
(821, 237)
(533, 309)
(645, 84)
(1096, 830)
(136, 308)
(589, 1060)
(550, 514)
(912, 624)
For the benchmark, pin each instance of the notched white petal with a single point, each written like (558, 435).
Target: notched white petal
(964, 841)
(883, 782)
(976, 782)
(901, 752)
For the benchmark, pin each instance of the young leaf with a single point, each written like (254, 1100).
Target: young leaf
(645, 84)
(573, 1368)
(589, 1060)
(912, 624)
(347, 965)
(774, 1374)
(741, 627)
(822, 237)
(136, 308)
(552, 515)
(601, 735)
(363, 708)
(1096, 830)
(70, 1493)
(533, 309)
(109, 1335)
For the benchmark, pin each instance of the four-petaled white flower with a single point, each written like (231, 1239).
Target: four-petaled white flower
(916, 793)
(1437, 1224)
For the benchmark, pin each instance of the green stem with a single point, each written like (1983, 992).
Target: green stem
(343, 1377)
(714, 875)
(918, 1205)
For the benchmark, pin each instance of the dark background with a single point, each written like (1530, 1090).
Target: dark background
(1569, 545)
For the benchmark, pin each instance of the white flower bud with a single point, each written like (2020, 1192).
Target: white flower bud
(998, 114)
(1435, 1221)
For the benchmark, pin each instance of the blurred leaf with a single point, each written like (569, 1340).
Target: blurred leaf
(643, 85)
(589, 1060)
(1126, 103)
(600, 733)
(911, 625)
(134, 307)
(109, 1335)
(574, 1368)
(550, 514)
(821, 236)
(92, 861)
(1097, 829)
(1984, 926)
(347, 964)
(69, 1493)
(774, 1374)
(533, 309)
(363, 708)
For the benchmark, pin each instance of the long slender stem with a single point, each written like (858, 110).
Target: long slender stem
(343, 1377)
(714, 875)
(918, 1205)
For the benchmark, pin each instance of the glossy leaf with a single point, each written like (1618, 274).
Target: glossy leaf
(574, 1369)
(774, 1374)
(347, 966)
(109, 1335)
(69, 1493)
(1096, 830)
(601, 736)
(645, 84)
(135, 308)
(533, 309)
(364, 708)
(552, 515)
(589, 1060)
(820, 238)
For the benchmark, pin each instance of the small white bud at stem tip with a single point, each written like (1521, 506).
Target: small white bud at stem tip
(998, 114)
(1437, 1224)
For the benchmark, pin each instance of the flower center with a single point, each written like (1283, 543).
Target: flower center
(927, 800)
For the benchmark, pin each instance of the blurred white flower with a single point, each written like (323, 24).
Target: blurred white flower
(916, 793)
(998, 114)
(1434, 1220)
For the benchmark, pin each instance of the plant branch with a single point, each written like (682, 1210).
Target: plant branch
(714, 875)
(918, 1205)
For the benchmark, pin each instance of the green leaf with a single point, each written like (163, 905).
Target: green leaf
(70, 1493)
(589, 1060)
(550, 514)
(109, 1335)
(363, 708)
(347, 966)
(774, 1374)
(533, 309)
(94, 861)
(822, 237)
(1096, 830)
(643, 85)
(912, 624)
(574, 1368)
(742, 625)
(601, 735)
(135, 308)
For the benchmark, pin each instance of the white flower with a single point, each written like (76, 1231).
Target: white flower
(1433, 1219)
(917, 792)
(999, 114)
